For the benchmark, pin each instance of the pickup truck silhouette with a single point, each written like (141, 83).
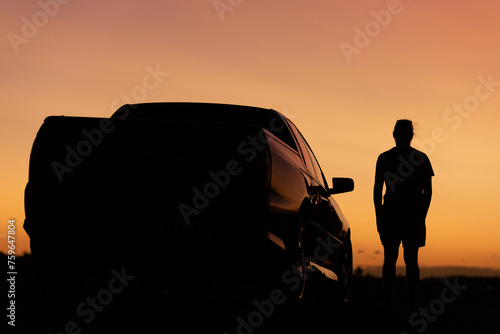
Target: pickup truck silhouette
(185, 194)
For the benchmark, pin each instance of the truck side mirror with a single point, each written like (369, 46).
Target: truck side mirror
(341, 185)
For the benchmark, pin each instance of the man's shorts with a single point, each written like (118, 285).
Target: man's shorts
(410, 236)
(397, 227)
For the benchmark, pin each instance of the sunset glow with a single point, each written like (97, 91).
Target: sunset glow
(342, 71)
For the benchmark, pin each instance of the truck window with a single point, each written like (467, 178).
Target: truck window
(317, 169)
(304, 149)
(278, 128)
(308, 155)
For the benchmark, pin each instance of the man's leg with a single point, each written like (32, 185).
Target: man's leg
(412, 274)
(389, 270)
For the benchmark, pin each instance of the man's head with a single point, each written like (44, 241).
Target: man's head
(403, 132)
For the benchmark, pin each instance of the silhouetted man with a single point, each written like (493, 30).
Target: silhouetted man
(406, 173)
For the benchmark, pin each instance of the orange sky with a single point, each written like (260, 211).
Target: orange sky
(421, 60)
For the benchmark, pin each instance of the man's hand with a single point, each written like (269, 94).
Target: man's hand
(377, 201)
(381, 219)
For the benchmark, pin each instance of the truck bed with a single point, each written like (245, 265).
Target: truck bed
(141, 189)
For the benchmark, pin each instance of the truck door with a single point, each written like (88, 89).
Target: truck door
(324, 223)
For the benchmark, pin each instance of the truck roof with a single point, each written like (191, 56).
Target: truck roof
(207, 112)
(194, 111)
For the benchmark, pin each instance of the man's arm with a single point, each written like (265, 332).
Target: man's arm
(377, 196)
(427, 195)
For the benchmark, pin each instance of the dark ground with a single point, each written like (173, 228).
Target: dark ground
(473, 308)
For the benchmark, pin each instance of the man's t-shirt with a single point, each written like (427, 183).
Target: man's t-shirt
(403, 170)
